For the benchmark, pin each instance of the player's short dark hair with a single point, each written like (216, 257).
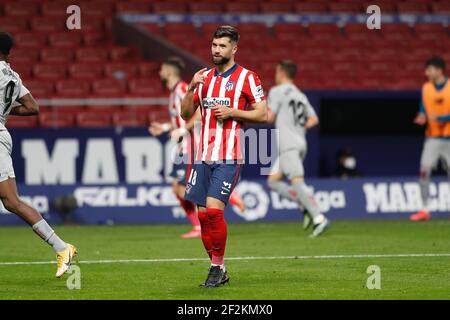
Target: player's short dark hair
(176, 62)
(289, 67)
(437, 62)
(6, 42)
(227, 31)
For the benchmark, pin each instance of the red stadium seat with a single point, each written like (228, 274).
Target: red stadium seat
(179, 29)
(206, 7)
(93, 24)
(24, 70)
(144, 87)
(148, 68)
(72, 88)
(268, 7)
(150, 27)
(441, 7)
(412, 7)
(121, 70)
(66, 109)
(160, 115)
(370, 83)
(141, 110)
(86, 71)
(30, 40)
(56, 120)
(133, 7)
(319, 6)
(56, 55)
(96, 9)
(349, 7)
(385, 66)
(252, 29)
(288, 28)
(40, 89)
(92, 54)
(65, 39)
(396, 28)
(428, 28)
(13, 24)
(413, 66)
(387, 6)
(88, 119)
(106, 88)
(129, 119)
(21, 11)
(47, 25)
(238, 7)
(207, 29)
(23, 55)
(22, 122)
(49, 71)
(169, 6)
(55, 8)
(122, 53)
(105, 109)
(94, 38)
(322, 29)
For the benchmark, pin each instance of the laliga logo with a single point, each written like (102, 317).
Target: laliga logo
(255, 198)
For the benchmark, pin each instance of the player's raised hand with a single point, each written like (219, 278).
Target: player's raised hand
(421, 119)
(177, 134)
(197, 79)
(221, 112)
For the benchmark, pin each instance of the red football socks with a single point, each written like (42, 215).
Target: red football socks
(206, 230)
(191, 211)
(218, 234)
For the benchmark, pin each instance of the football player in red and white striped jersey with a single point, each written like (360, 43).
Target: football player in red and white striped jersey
(227, 95)
(180, 132)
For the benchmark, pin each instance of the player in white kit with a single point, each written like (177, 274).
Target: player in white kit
(293, 115)
(15, 99)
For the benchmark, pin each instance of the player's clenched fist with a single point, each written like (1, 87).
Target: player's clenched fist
(222, 113)
(197, 79)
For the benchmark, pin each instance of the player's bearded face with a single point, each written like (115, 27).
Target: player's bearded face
(222, 50)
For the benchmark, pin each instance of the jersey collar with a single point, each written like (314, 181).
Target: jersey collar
(226, 73)
(441, 86)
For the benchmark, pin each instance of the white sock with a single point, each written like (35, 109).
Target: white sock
(318, 219)
(43, 230)
(305, 199)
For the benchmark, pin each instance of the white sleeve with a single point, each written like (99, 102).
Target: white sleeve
(274, 101)
(310, 112)
(23, 91)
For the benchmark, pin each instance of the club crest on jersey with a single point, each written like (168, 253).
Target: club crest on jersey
(211, 102)
(229, 86)
(259, 92)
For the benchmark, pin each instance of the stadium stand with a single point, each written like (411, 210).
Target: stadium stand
(87, 63)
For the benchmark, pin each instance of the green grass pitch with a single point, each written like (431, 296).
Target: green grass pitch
(339, 272)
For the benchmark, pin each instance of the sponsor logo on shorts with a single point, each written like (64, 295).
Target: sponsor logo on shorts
(188, 188)
(226, 188)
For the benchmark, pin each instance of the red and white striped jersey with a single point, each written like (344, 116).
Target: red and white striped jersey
(175, 98)
(236, 88)
(176, 95)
